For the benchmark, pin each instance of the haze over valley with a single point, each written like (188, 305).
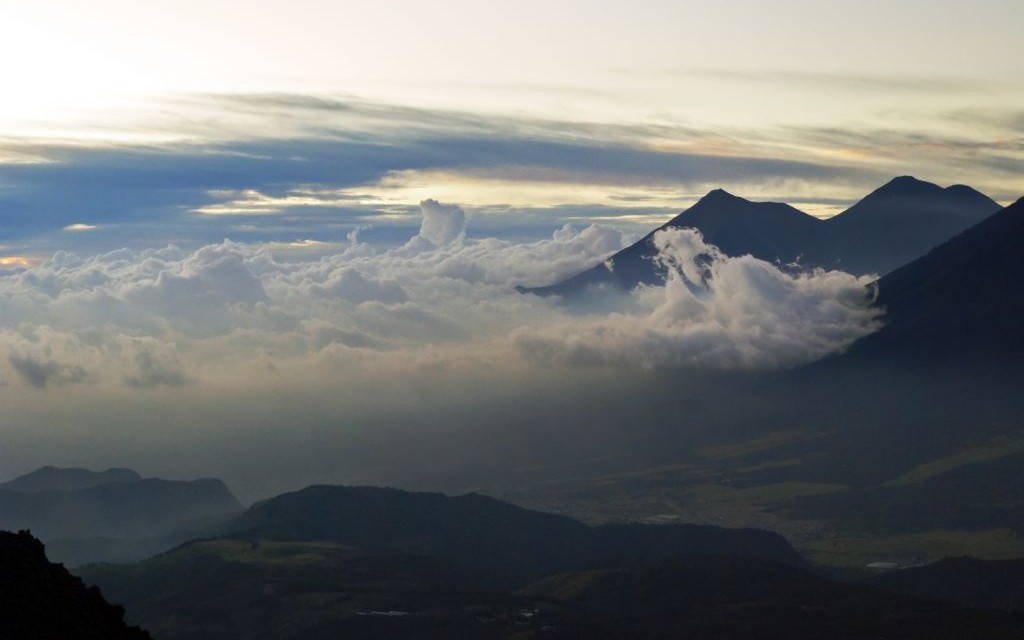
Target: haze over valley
(408, 321)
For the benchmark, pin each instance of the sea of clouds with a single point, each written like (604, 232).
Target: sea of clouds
(170, 317)
(166, 348)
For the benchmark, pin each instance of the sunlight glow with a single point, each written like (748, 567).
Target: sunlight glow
(17, 261)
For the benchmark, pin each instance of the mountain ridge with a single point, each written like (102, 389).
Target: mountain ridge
(41, 600)
(86, 516)
(484, 534)
(892, 225)
(50, 478)
(959, 301)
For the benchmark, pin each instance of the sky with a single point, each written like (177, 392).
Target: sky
(128, 123)
(317, 211)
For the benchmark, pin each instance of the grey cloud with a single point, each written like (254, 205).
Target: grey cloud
(155, 366)
(144, 195)
(351, 285)
(148, 193)
(1007, 119)
(42, 373)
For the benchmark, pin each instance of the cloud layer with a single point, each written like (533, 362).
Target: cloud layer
(717, 312)
(162, 317)
(131, 354)
(260, 168)
(281, 167)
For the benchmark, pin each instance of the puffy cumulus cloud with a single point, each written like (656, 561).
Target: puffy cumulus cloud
(442, 223)
(167, 317)
(365, 364)
(716, 311)
(164, 318)
(349, 284)
(595, 239)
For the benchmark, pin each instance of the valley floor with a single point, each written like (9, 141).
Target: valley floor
(758, 485)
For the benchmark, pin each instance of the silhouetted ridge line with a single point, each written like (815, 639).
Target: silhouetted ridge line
(40, 600)
(891, 226)
(961, 304)
(506, 543)
(86, 516)
(50, 478)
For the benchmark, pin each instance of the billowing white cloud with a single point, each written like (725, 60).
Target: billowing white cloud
(137, 351)
(442, 223)
(719, 312)
(165, 317)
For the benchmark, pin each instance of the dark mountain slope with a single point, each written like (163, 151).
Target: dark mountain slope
(940, 380)
(503, 543)
(960, 304)
(231, 588)
(768, 230)
(900, 221)
(42, 601)
(891, 226)
(716, 597)
(995, 584)
(479, 532)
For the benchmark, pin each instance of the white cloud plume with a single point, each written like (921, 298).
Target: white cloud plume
(162, 317)
(718, 312)
(442, 223)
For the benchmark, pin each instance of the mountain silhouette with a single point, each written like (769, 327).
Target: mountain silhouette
(40, 600)
(900, 221)
(130, 509)
(500, 541)
(57, 479)
(941, 377)
(769, 230)
(891, 226)
(113, 515)
(959, 305)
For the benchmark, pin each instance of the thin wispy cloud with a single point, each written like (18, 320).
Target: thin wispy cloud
(273, 167)
(362, 163)
(839, 81)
